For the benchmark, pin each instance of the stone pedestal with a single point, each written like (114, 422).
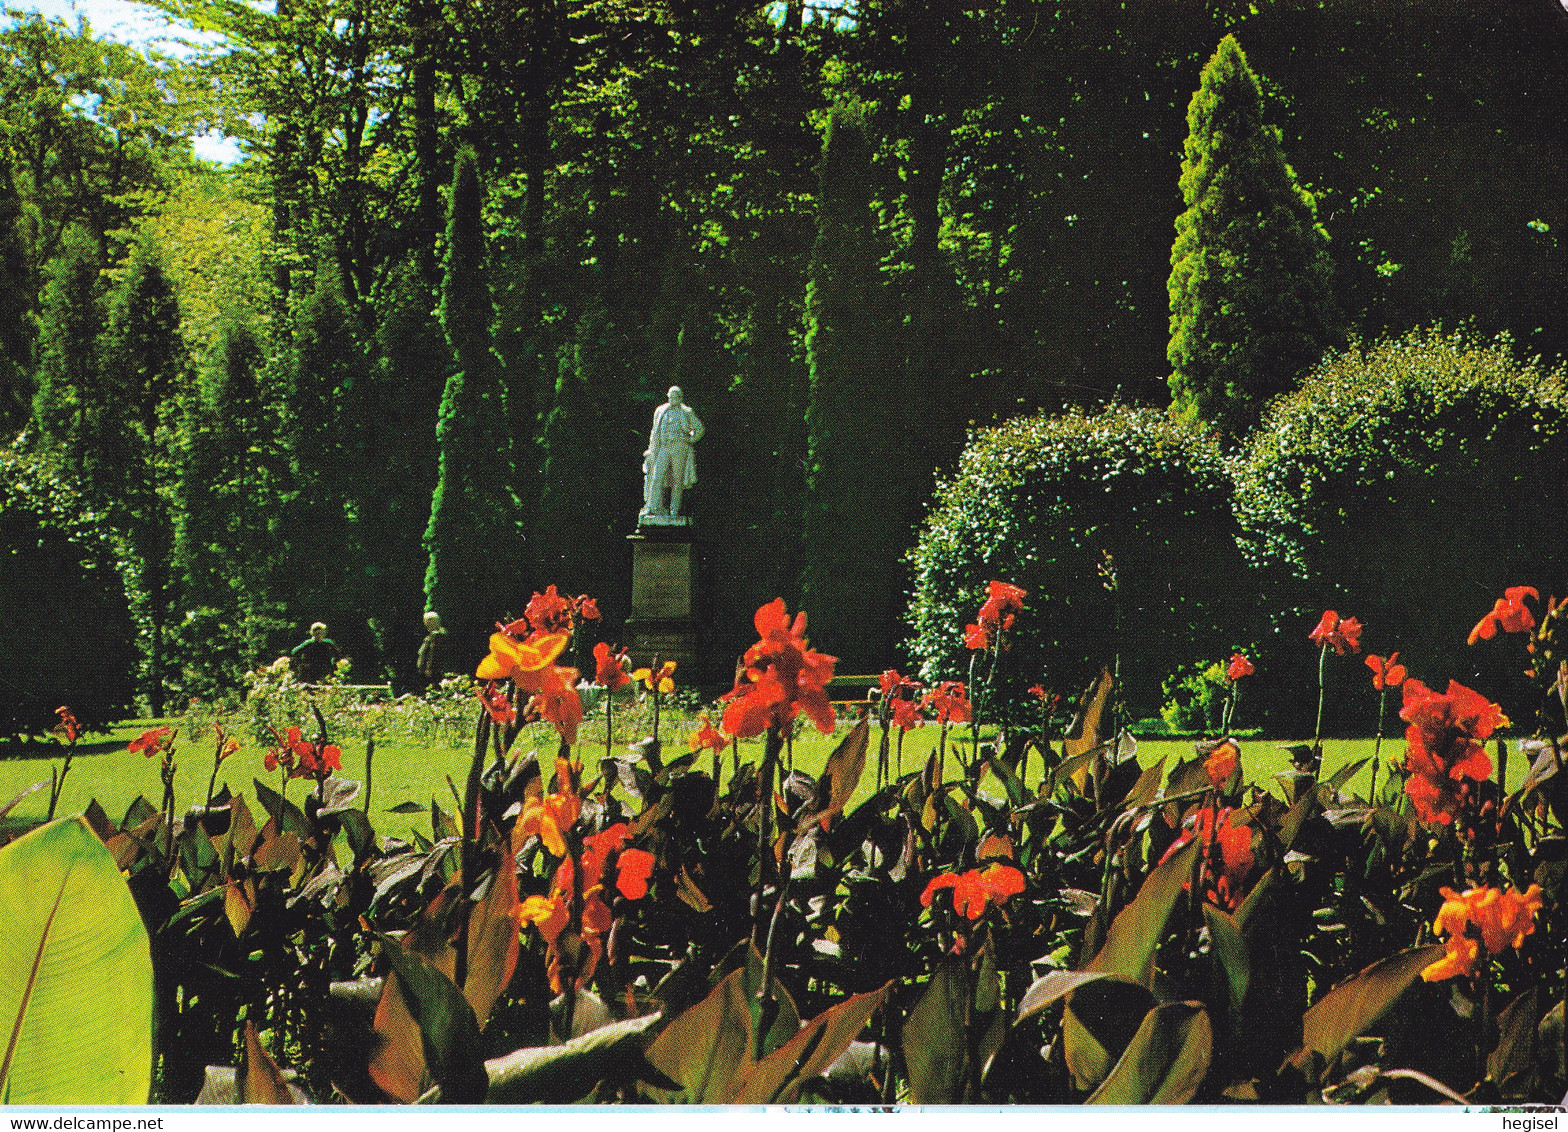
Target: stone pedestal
(664, 574)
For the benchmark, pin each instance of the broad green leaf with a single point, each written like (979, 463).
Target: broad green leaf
(1166, 1061)
(1084, 734)
(1232, 966)
(492, 940)
(75, 974)
(844, 767)
(1050, 987)
(1139, 928)
(1350, 1008)
(1341, 776)
(288, 817)
(568, 1072)
(1010, 781)
(447, 1026)
(1515, 1037)
(934, 1041)
(1100, 1019)
(1147, 788)
(705, 1048)
(777, 1078)
(262, 1081)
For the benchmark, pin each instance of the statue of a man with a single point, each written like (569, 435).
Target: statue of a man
(669, 466)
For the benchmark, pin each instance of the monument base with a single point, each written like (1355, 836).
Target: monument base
(663, 576)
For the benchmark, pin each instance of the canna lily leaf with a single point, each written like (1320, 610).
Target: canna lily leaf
(1053, 986)
(448, 1029)
(843, 770)
(75, 974)
(778, 1078)
(1228, 953)
(1166, 1061)
(1357, 1003)
(1100, 1021)
(262, 1082)
(569, 1072)
(1139, 928)
(933, 1038)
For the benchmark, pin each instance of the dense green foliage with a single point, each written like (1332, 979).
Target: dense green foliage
(1408, 483)
(1117, 525)
(1250, 300)
(647, 194)
(66, 636)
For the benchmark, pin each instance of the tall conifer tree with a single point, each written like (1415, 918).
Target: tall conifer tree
(16, 299)
(857, 483)
(1251, 305)
(473, 538)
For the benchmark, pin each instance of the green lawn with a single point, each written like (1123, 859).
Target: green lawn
(407, 771)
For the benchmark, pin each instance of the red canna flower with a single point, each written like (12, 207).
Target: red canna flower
(1509, 613)
(549, 612)
(782, 677)
(67, 729)
(1227, 855)
(949, 702)
(975, 890)
(1002, 604)
(1443, 746)
(150, 743)
(1386, 673)
(1239, 666)
(609, 669)
(496, 704)
(1221, 763)
(1340, 635)
(586, 607)
(906, 714)
(1481, 917)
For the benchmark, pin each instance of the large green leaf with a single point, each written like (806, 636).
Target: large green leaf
(447, 1026)
(934, 1038)
(75, 974)
(566, 1073)
(1139, 928)
(1165, 1062)
(777, 1078)
(1357, 1003)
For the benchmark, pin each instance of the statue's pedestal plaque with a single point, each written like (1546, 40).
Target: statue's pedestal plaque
(663, 586)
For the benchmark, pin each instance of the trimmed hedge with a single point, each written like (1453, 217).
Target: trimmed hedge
(1407, 483)
(1039, 502)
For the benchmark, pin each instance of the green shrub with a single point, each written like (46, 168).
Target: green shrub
(1407, 483)
(1040, 503)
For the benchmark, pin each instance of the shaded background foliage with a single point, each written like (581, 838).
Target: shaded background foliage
(648, 185)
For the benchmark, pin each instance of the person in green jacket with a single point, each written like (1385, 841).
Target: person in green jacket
(316, 657)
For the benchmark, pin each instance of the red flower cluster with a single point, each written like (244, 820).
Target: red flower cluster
(609, 668)
(1341, 636)
(976, 889)
(549, 612)
(152, 742)
(1002, 604)
(1481, 917)
(782, 677)
(1386, 673)
(1443, 747)
(1221, 763)
(1509, 613)
(496, 704)
(902, 695)
(67, 729)
(1227, 853)
(302, 759)
(552, 914)
(949, 702)
(1239, 666)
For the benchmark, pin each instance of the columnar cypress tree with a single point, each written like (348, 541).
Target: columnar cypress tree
(16, 300)
(69, 398)
(473, 538)
(857, 484)
(1251, 305)
(144, 375)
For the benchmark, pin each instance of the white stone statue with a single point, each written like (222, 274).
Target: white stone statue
(669, 466)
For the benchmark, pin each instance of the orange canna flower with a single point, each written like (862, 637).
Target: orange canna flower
(1509, 613)
(1228, 855)
(512, 659)
(549, 816)
(949, 702)
(1222, 763)
(1386, 673)
(975, 890)
(663, 680)
(1481, 917)
(67, 729)
(151, 742)
(707, 737)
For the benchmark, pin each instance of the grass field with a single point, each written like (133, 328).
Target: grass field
(410, 772)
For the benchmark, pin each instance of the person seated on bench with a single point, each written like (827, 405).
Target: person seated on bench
(315, 658)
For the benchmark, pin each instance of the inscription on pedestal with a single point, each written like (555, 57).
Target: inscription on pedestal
(661, 580)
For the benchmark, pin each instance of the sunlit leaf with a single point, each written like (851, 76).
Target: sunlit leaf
(1356, 1004)
(777, 1078)
(934, 1039)
(447, 1025)
(75, 974)
(1166, 1061)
